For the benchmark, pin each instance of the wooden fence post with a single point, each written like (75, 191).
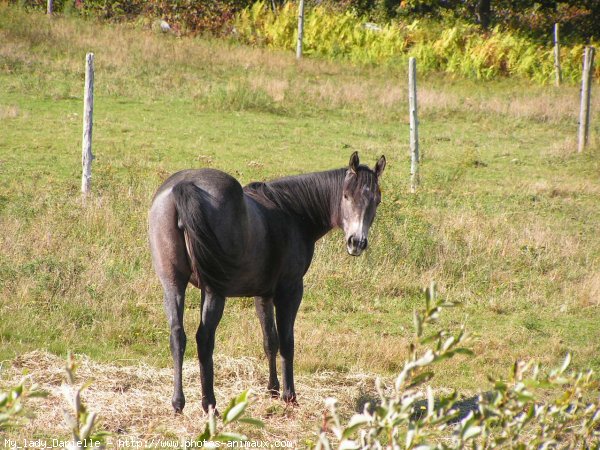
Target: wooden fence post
(88, 110)
(414, 125)
(586, 95)
(557, 56)
(300, 29)
(49, 7)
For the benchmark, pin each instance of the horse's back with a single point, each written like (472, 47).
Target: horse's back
(222, 194)
(218, 184)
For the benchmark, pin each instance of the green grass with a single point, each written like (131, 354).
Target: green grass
(505, 220)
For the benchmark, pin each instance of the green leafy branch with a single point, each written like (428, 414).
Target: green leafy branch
(81, 421)
(11, 402)
(532, 410)
(234, 413)
(393, 419)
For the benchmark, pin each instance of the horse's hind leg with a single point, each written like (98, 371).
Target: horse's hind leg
(169, 259)
(212, 311)
(174, 302)
(264, 310)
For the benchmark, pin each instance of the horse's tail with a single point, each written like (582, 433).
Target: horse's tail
(210, 263)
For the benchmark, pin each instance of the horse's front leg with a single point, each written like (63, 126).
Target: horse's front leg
(287, 302)
(264, 311)
(212, 311)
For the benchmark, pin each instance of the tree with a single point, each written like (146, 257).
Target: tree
(483, 13)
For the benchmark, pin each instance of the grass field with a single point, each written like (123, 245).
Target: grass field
(505, 221)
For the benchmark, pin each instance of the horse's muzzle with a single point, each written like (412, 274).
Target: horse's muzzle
(356, 245)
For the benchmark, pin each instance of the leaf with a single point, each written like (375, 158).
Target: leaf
(230, 437)
(426, 359)
(418, 323)
(410, 435)
(448, 343)
(451, 353)
(212, 421)
(232, 403)
(463, 351)
(448, 304)
(381, 411)
(205, 436)
(234, 413)
(347, 444)
(431, 338)
(420, 379)
(525, 396)
(500, 385)
(444, 356)
(448, 417)
(354, 424)
(515, 369)
(38, 393)
(530, 414)
(243, 397)
(430, 295)
(430, 400)
(566, 363)
(256, 422)
(471, 432)
(560, 380)
(86, 430)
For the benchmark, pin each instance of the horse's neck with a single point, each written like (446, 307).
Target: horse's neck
(315, 198)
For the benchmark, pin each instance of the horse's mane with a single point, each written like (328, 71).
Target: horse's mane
(314, 197)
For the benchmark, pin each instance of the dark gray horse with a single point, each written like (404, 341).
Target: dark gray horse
(259, 240)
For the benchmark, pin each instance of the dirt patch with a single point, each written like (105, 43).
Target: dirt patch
(135, 401)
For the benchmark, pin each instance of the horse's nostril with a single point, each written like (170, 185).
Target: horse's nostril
(363, 243)
(358, 243)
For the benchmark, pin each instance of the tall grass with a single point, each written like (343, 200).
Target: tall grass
(458, 48)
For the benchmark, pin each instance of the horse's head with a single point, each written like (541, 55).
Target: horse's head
(361, 196)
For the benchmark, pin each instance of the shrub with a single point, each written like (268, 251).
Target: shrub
(532, 410)
(233, 413)
(184, 16)
(12, 400)
(457, 48)
(80, 421)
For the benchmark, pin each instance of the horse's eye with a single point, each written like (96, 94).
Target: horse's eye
(345, 196)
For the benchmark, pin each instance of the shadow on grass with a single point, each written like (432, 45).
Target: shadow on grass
(464, 406)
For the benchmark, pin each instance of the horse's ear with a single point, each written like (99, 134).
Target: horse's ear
(354, 162)
(379, 166)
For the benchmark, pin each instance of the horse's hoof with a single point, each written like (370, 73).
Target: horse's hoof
(290, 399)
(274, 393)
(178, 406)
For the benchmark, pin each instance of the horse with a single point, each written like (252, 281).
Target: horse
(256, 241)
